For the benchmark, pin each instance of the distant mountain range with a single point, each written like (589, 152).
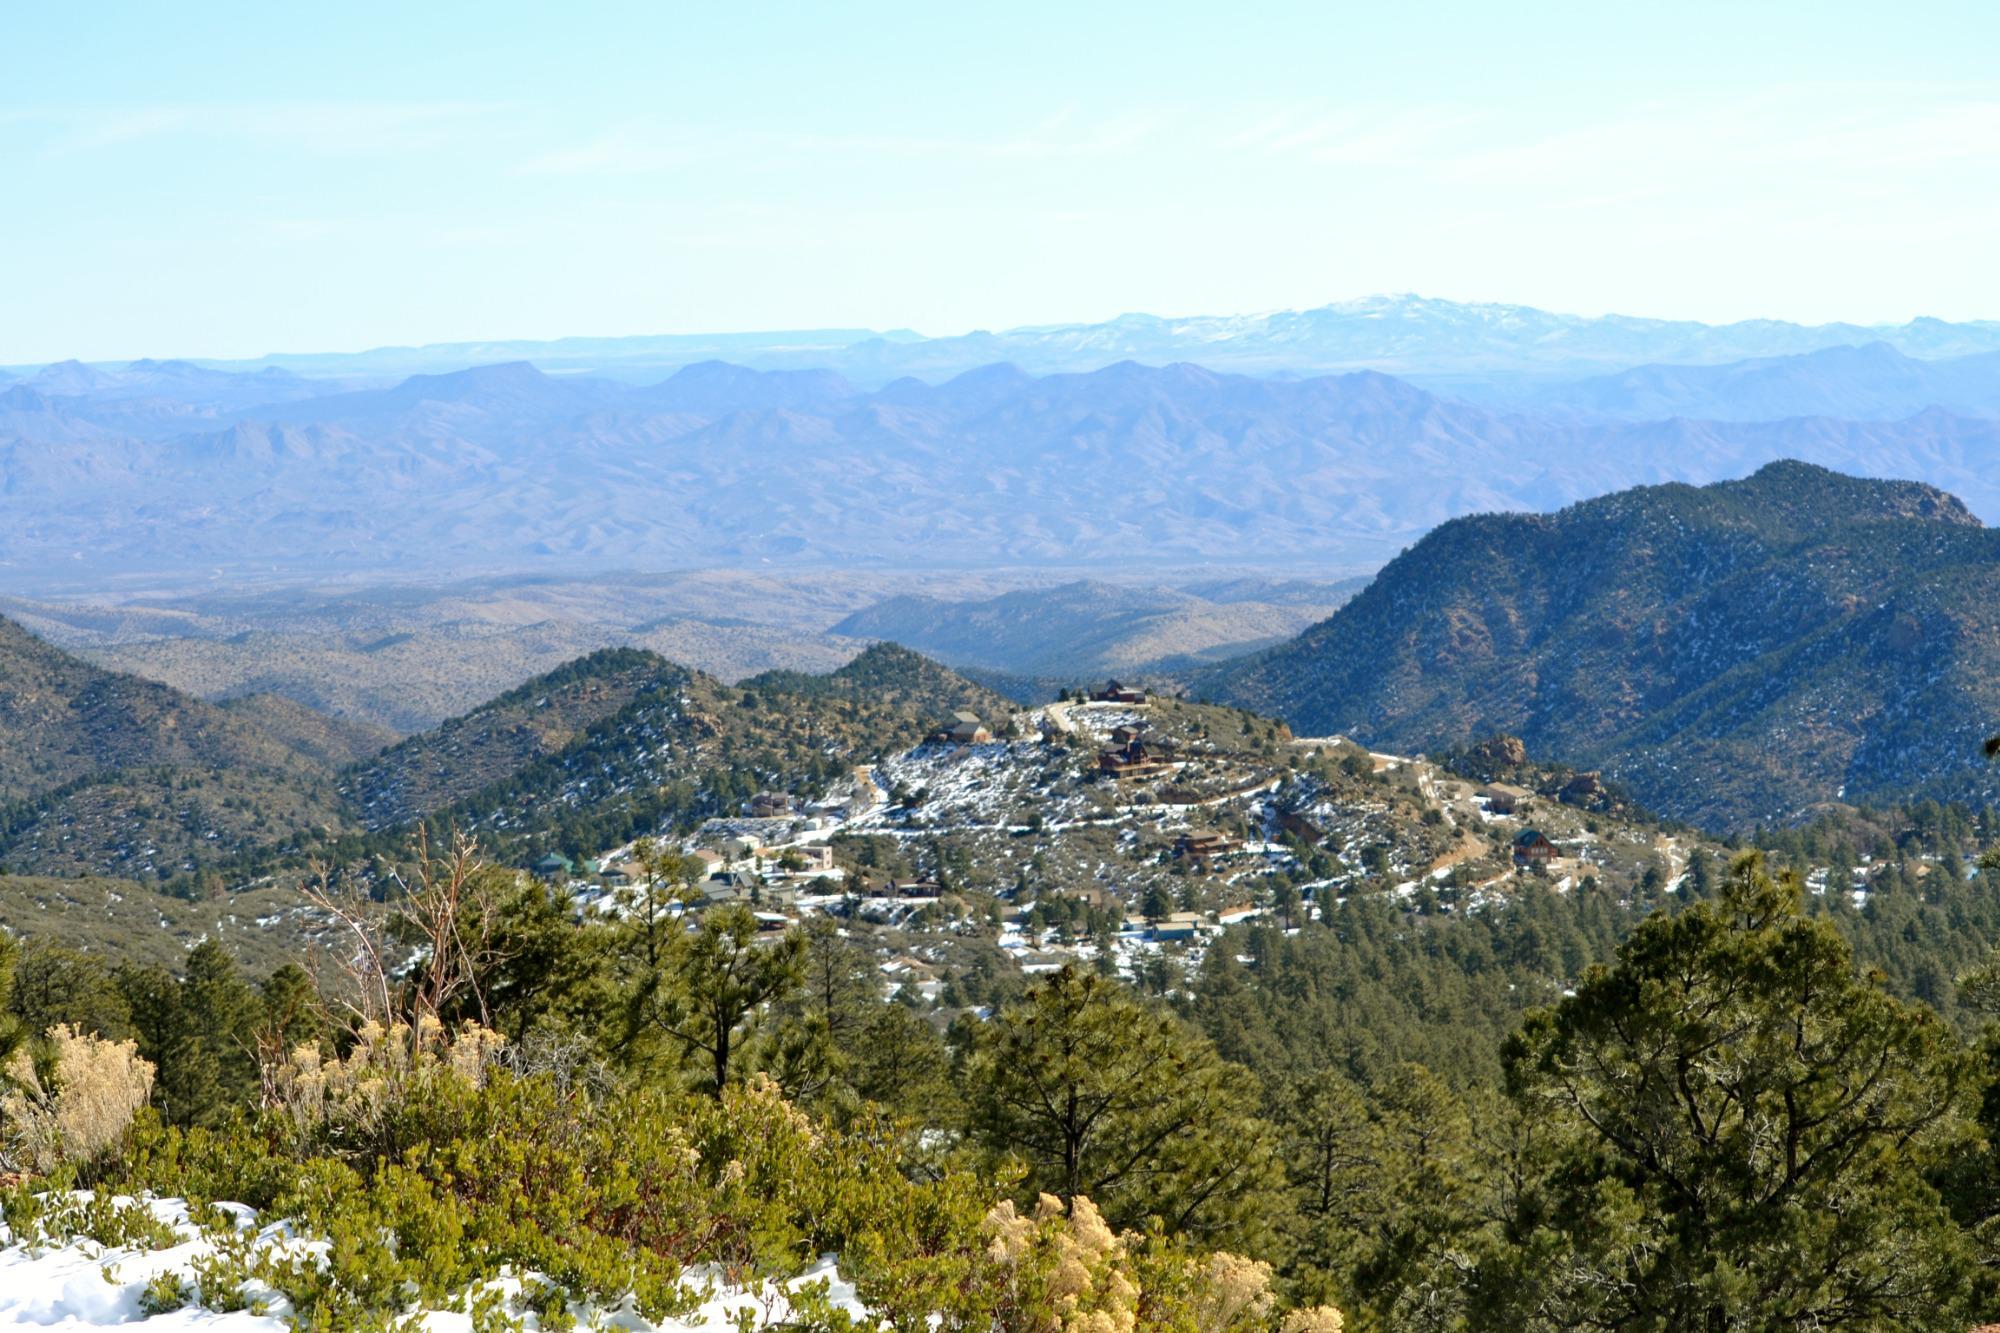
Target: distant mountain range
(1403, 335)
(1091, 627)
(1735, 653)
(1129, 467)
(1872, 382)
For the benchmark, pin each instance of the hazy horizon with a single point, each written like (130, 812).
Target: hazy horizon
(504, 340)
(384, 177)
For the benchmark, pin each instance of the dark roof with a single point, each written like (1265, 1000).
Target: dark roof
(1528, 836)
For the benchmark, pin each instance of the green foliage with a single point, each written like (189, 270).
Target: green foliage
(165, 1293)
(1735, 1132)
(200, 1032)
(53, 984)
(1671, 635)
(702, 993)
(52, 1215)
(1096, 1093)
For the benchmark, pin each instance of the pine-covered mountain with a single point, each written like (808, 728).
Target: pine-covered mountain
(621, 742)
(64, 721)
(1132, 467)
(107, 774)
(1733, 653)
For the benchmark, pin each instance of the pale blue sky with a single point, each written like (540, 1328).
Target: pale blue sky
(223, 180)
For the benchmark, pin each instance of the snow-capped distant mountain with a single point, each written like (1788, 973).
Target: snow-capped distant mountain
(1421, 337)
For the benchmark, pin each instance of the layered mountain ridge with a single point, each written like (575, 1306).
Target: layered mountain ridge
(1127, 467)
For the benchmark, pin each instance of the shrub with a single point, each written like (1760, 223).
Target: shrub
(166, 1293)
(57, 1216)
(72, 1098)
(459, 1178)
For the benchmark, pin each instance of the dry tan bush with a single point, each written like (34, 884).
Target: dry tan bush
(385, 1066)
(1318, 1319)
(1068, 1273)
(1238, 1289)
(76, 1102)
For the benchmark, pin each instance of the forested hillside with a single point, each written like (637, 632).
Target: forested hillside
(1735, 653)
(108, 774)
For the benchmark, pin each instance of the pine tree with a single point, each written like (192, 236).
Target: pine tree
(54, 985)
(1334, 1158)
(706, 991)
(1097, 1093)
(1737, 1131)
(201, 1033)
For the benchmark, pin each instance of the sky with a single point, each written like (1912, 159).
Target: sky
(227, 181)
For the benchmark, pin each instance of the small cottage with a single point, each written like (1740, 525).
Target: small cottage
(1532, 847)
(965, 729)
(1200, 844)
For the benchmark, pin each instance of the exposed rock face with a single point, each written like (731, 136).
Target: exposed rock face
(1583, 789)
(1500, 752)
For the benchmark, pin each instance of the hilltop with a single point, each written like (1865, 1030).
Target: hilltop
(107, 774)
(63, 720)
(1733, 653)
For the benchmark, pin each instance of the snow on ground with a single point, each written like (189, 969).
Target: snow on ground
(83, 1284)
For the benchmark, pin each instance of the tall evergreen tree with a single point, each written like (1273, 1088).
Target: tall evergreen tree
(1097, 1093)
(707, 992)
(1737, 1134)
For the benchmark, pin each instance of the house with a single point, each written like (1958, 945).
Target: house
(1134, 757)
(965, 729)
(913, 888)
(724, 887)
(1200, 844)
(1137, 760)
(770, 805)
(1127, 734)
(555, 863)
(1178, 926)
(1112, 692)
(1503, 798)
(743, 844)
(1531, 847)
(617, 874)
(710, 859)
(806, 859)
(775, 895)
